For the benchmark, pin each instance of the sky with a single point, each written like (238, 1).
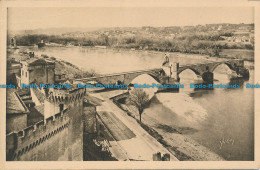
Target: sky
(52, 17)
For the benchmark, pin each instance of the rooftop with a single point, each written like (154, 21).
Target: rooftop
(38, 61)
(40, 109)
(24, 92)
(40, 96)
(14, 104)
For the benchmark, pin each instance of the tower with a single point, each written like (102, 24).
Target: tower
(59, 137)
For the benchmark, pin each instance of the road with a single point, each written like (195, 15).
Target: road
(131, 141)
(116, 127)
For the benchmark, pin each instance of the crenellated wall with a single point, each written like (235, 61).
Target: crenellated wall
(23, 144)
(58, 137)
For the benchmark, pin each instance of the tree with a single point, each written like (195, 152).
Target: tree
(139, 98)
(89, 73)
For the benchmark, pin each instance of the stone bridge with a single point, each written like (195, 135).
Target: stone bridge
(199, 69)
(169, 74)
(122, 78)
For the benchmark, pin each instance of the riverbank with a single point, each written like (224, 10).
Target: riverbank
(62, 67)
(175, 139)
(247, 55)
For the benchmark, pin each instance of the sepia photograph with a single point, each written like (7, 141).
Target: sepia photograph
(130, 84)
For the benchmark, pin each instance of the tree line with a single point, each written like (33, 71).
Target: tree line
(195, 43)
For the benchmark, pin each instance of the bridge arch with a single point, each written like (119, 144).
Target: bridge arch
(190, 68)
(154, 76)
(189, 76)
(230, 66)
(147, 79)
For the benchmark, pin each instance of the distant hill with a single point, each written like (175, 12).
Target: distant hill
(173, 29)
(52, 31)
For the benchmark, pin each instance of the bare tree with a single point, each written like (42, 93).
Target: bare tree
(139, 98)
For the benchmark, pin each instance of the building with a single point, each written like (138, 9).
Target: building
(38, 71)
(13, 72)
(48, 124)
(57, 137)
(16, 112)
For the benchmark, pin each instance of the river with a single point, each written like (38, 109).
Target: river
(223, 119)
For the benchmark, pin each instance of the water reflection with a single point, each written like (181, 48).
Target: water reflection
(230, 116)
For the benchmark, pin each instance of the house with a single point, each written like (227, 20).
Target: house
(37, 71)
(16, 112)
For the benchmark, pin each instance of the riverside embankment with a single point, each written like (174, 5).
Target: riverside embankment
(173, 137)
(131, 141)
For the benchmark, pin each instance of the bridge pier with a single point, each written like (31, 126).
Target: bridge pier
(174, 71)
(242, 71)
(208, 77)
